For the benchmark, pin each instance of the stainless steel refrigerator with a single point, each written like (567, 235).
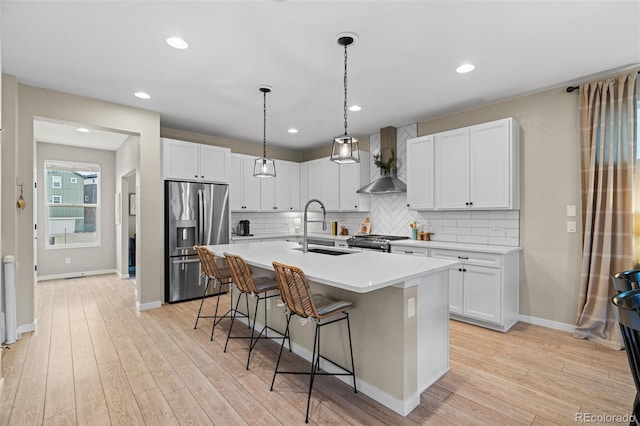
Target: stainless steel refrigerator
(195, 214)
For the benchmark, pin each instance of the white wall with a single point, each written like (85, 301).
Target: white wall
(51, 262)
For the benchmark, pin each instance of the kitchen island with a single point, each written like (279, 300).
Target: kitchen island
(400, 319)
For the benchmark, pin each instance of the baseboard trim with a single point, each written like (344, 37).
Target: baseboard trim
(569, 328)
(147, 306)
(26, 328)
(76, 274)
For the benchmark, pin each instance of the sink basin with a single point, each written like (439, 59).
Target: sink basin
(325, 251)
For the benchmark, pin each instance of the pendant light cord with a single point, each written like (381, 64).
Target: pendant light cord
(345, 90)
(264, 126)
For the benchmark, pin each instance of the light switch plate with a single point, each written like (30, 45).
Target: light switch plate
(571, 210)
(411, 307)
(571, 226)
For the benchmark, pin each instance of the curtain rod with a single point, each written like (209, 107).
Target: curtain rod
(572, 88)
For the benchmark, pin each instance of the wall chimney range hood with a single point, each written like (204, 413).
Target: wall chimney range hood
(388, 183)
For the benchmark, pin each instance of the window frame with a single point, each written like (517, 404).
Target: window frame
(48, 198)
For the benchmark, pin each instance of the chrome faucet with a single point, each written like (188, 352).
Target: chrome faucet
(305, 246)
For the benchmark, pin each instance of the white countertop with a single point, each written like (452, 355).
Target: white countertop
(484, 248)
(360, 272)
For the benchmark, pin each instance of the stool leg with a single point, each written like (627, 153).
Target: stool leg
(353, 366)
(206, 287)
(315, 362)
(251, 344)
(215, 315)
(286, 334)
(233, 317)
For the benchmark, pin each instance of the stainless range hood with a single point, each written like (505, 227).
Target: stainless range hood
(388, 183)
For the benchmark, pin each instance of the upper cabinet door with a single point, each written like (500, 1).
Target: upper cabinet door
(282, 183)
(196, 162)
(251, 186)
(452, 169)
(235, 183)
(181, 160)
(295, 183)
(215, 164)
(420, 173)
(491, 167)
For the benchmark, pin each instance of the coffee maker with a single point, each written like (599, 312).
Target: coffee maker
(243, 228)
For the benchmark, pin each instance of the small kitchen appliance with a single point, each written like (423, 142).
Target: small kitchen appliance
(243, 228)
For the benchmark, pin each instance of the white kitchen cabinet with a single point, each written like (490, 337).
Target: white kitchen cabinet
(281, 193)
(324, 181)
(195, 162)
(483, 289)
(420, 162)
(477, 167)
(244, 188)
(335, 184)
(353, 177)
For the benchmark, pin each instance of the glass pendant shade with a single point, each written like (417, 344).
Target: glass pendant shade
(345, 150)
(264, 168)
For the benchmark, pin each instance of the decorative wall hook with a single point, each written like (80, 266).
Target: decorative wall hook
(21, 203)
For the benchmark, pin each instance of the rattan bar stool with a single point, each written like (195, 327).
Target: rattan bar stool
(215, 276)
(297, 296)
(258, 287)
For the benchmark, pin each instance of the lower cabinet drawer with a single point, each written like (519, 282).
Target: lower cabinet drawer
(416, 251)
(469, 257)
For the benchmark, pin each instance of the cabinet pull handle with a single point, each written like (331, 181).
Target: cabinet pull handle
(463, 257)
(408, 252)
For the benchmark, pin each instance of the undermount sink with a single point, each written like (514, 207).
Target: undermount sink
(325, 251)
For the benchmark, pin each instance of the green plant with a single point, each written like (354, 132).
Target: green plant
(385, 165)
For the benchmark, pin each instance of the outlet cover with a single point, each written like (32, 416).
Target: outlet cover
(68, 260)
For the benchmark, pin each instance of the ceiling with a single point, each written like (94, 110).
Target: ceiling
(400, 71)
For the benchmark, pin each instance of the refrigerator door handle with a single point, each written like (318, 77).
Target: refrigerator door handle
(178, 262)
(200, 217)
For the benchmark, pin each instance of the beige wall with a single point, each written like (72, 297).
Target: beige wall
(26, 103)
(550, 180)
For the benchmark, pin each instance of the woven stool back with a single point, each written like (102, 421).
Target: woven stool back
(240, 273)
(208, 262)
(294, 290)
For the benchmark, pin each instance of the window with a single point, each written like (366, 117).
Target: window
(73, 212)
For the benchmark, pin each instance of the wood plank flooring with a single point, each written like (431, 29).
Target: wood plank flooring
(95, 360)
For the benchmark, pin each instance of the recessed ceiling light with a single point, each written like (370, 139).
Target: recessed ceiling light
(83, 129)
(292, 130)
(464, 68)
(355, 108)
(142, 95)
(177, 43)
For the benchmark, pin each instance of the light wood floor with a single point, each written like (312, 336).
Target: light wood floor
(95, 360)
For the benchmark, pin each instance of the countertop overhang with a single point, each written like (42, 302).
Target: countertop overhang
(360, 271)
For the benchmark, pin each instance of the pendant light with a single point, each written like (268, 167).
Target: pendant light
(264, 167)
(345, 147)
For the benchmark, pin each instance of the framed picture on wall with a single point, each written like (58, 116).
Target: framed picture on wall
(133, 207)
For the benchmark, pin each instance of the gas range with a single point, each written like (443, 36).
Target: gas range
(374, 242)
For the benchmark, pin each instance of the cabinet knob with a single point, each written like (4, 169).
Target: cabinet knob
(470, 203)
(195, 176)
(202, 177)
(408, 205)
(355, 207)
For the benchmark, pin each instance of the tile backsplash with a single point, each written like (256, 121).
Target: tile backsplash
(389, 214)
